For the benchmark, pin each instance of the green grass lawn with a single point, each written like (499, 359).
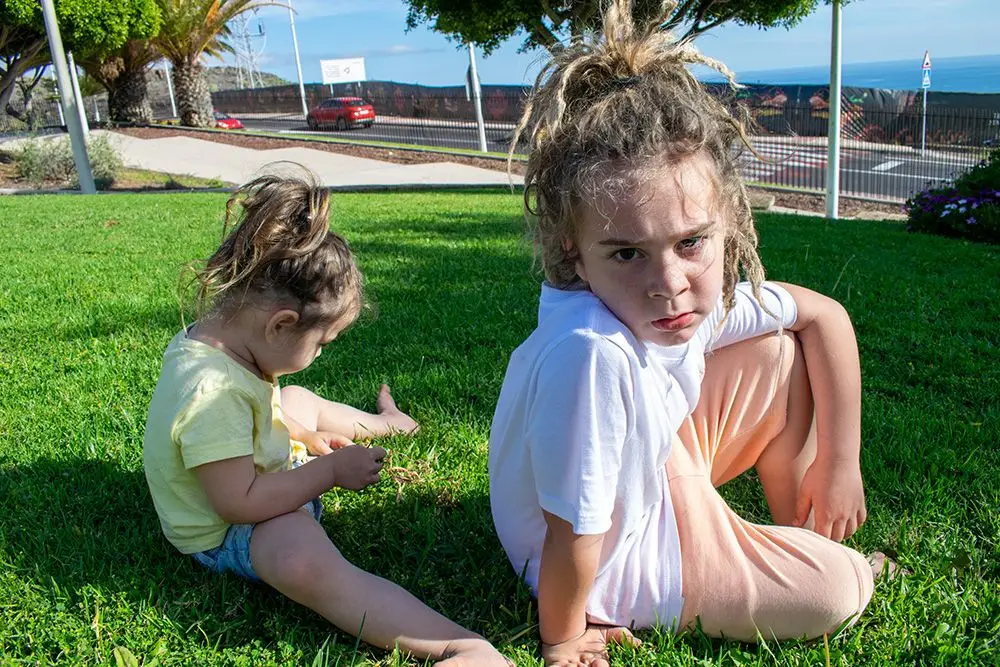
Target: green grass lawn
(87, 304)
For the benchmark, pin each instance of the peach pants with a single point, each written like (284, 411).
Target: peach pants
(743, 580)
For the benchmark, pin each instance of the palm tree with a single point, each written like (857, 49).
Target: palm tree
(124, 75)
(191, 29)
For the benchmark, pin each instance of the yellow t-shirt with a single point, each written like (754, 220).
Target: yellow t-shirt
(206, 407)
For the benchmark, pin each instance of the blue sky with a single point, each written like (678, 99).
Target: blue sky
(874, 30)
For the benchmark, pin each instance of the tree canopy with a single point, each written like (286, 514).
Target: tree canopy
(89, 28)
(548, 24)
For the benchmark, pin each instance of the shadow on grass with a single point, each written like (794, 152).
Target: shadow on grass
(75, 526)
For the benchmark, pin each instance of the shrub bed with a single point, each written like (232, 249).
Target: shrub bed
(968, 208)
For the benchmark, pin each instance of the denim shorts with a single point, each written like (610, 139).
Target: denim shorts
(233, 555)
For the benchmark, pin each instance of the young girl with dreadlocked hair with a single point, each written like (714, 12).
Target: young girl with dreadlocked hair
(654, 375)
(219, 449)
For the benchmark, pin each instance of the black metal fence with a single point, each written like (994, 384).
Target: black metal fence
(888, 150)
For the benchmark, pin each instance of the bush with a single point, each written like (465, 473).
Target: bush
(104, 162)
(968, 208)
(50, 161)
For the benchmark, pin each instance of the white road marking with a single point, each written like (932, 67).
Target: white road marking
(886, 166)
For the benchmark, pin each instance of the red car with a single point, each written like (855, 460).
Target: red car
(227, 122)
(341, 113)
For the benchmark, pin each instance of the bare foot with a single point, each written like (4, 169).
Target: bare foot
(476, 653)
(883, 566)
(395, 419)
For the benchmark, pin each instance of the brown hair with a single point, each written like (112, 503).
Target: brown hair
(606, 113)
(281, 250)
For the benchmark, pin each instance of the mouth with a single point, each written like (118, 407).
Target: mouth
(673, 323)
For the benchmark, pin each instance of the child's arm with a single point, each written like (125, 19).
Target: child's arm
(832, 486)
(566, 574)
(239, 494)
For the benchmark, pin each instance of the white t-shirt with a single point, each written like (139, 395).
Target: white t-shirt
(583, 428)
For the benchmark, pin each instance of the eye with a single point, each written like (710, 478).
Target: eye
(625, 254)
(692, 245)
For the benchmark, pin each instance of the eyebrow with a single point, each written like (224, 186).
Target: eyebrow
(616, 242)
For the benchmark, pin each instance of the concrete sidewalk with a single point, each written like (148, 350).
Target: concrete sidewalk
(235, 164)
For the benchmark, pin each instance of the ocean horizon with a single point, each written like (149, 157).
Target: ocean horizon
(966, 74)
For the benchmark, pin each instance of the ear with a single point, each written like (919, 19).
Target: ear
(571, 252)
(279, 324)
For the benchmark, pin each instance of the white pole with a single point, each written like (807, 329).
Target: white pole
(477, 98)
(62, 119)
(75, 80)
(923, 133)
(170, 90)
(833, 158)
(77, 141)
(298, 63)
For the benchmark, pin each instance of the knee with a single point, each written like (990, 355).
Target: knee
(845, 595)
(294, 394)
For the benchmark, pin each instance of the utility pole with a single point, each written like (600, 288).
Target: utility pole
(298, 63)
(68, 100)
(833, 157)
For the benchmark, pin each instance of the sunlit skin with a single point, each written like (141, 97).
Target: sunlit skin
(655, 257)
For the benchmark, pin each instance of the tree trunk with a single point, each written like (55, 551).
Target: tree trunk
(128, 101)
(194, 102)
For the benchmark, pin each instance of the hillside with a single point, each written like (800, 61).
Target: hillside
(219, 78)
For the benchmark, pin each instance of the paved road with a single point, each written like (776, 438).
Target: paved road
(892, 173)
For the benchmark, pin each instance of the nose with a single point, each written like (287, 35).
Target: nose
(668, 280)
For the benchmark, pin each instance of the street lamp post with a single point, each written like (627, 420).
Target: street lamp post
(298, 62)
(833, 157)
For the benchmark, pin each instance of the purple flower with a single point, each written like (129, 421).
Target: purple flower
(971, 221)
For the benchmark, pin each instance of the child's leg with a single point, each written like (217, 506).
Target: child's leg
(319, 414)
(293, 554)
(742, 579)
(784, 458)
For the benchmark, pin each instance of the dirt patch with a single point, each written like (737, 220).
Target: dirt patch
(849, 207)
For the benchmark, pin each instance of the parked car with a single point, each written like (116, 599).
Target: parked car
(226, 122)
(341, 113)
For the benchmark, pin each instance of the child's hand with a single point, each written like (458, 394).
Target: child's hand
(356, 467)
(836, 495)
(319, 443)
(588, 649)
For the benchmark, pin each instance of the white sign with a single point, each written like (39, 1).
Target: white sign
(927, 60)
(927, 79)
(344, 70)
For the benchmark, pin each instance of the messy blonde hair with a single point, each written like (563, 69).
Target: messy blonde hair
(607, 113)
(280, 251)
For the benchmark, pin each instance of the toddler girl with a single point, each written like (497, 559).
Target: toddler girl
(655, 376)
(218, 442)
